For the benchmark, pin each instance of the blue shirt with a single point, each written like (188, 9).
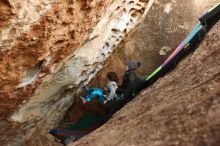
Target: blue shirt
(95, 93)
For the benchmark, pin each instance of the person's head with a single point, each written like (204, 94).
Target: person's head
(133, 65)
(112, 76)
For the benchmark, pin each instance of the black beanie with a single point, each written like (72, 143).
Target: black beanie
(133, 65)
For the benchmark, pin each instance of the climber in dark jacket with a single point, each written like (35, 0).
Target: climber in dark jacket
(131, 84)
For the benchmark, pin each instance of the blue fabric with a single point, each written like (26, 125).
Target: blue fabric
(94, 93)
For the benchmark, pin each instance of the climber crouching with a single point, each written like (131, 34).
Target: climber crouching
(132, 84)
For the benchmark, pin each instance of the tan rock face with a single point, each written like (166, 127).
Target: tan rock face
(114, 25)
(181, 108)
(38, 37)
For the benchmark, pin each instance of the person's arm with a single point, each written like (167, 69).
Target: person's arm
(86, 88)
(112, 91)
(123, 85)
(129, 85)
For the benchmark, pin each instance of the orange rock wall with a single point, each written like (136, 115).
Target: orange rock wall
(49, 41)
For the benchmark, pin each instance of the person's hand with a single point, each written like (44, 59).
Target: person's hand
(83, 100)
(105, 101)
